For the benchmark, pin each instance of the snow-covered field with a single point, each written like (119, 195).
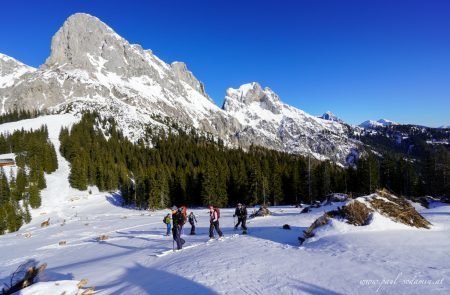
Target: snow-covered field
(380, 260)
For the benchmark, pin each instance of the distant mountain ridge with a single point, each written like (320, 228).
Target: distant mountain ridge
(369, 124)
(92, 68)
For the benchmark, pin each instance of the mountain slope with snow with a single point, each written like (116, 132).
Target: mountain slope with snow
(11, 70)
(92, 68)
(11, 73)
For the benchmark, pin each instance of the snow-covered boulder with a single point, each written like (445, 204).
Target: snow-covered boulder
(262, 211)
(334, 198)
(379, 211)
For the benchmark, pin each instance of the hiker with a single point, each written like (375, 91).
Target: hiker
(166, 220)
(214, 215)
(192, 221)
(178, 222)
(241, 213)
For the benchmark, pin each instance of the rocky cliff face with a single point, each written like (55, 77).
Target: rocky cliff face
(93, 68)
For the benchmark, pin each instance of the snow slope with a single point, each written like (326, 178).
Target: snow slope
(58, 188)
(267, 261)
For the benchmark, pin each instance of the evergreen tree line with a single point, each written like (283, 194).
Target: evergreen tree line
(183, 167)
(34, 155)
(17, 115)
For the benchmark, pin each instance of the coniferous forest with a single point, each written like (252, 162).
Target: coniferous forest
(17, 115)
(183, 167)
(21, 190)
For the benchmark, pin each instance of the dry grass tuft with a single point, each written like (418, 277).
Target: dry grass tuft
(399, 210)
(45, 223)
(82, 283)
(103, 238)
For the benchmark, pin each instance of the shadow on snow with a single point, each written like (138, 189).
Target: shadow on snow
(147, 280)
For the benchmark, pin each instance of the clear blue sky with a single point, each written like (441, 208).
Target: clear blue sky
(365, 59)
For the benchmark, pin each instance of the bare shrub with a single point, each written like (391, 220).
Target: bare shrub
(356, 213)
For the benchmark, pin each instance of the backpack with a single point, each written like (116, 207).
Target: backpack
(217, 210)
(182, 215)
(165, 219)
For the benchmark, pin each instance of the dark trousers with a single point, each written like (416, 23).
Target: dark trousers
(243, 220)
(192, 228)
(216, 226)
(176, 231)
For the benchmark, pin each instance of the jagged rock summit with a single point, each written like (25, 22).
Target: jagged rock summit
(247, 94)
(92, 68)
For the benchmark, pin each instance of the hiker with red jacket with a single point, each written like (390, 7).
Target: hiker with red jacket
(178, 219)
(214, 215)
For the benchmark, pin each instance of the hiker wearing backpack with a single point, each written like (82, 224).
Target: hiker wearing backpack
(178, 221)
(214, 215)
(192, 221)
(241, 213)
(166, 220)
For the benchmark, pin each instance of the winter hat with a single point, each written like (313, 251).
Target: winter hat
(174, 208)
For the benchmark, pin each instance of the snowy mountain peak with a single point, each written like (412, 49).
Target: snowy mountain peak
(250, 93)
(11, 69)
(386, 122)
(330, 117)
(80, 37)
(374, 124)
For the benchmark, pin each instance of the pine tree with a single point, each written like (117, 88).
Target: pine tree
(78, 174)
(5, 193)
(26, 216)
(276, 191)
(34, 196)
